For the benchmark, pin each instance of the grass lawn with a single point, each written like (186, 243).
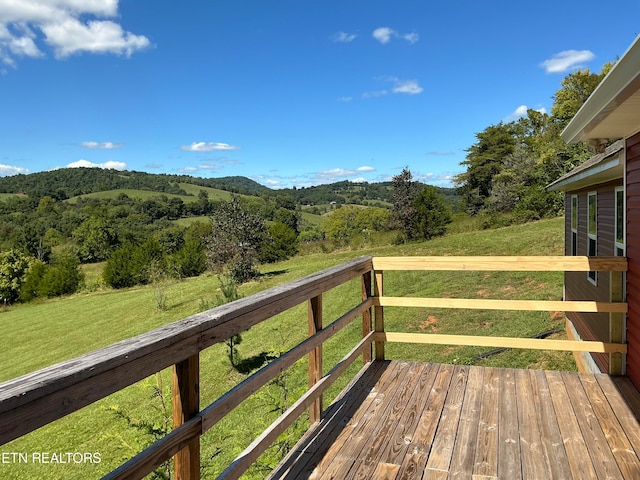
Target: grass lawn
(39, 334)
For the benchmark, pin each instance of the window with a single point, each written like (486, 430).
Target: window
(619, 227)
(592, 220)
(574, 225)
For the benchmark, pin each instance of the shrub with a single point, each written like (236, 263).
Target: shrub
(190, 260)
(14, 267)
(120, 270)
(283, 243)
(62, 277)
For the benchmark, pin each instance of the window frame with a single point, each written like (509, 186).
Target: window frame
(573, 221)
(619, 246)
(592, 238)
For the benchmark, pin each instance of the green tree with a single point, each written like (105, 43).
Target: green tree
(14, 267)
(432, 215)
(121, 269)
(283, 243)
(484, 160)
(405, 191)
(62, 277)
(237, 234)
(96, 239)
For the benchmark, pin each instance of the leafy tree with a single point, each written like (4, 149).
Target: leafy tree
(96, 238)
(484, 160)
(62, 277)
(288, 217)
(432, 215)
(344, 223)
(237, 233)
(575, 89)
(190, 260)
(283, 243)
(405, 190)
(518, 172)
(14, 267)
(121, 270)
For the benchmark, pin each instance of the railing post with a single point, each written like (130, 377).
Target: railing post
(315, 355)
(379, 313)
(616, 324)
(366, 315)
(186, 404)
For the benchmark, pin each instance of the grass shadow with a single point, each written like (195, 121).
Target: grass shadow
(247, 365)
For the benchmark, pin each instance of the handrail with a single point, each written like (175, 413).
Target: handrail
(38, 398)
(615, 307)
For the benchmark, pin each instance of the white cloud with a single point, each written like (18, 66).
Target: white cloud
(107, 165)
(345, 99)
(64, 26)
(8, 170)
(383, 34)
(207, 147)
(365, 168)
(563, 61)
(411, 37)
(104, 145)
(97, 36)
(520, 112)
(410, 87)
(343, 37)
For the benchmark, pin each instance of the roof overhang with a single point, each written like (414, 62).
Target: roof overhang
(605, 172)
(613, 109)
(602, 168)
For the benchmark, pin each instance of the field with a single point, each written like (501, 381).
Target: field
(214, 194)
(37, 335)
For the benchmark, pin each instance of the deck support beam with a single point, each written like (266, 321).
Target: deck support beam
(366, 315)
(186, 405)
(315, 355)
(616, 323)
(378, 291)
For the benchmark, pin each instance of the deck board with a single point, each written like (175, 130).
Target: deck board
(404, 420)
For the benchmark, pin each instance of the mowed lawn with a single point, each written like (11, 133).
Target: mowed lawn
(37, 335)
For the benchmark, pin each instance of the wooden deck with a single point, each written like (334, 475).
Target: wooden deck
(400, 420)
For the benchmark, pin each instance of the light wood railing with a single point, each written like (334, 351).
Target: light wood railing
(615, 307)
(39, 398)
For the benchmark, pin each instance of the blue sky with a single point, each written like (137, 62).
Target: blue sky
(288, 93)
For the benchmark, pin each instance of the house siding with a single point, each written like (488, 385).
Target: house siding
(591, 326)
(633, 257)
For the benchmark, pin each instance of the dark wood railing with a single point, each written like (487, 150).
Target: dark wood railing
(39, 398)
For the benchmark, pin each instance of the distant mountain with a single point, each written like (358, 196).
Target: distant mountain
(363, 193)
(70, 182)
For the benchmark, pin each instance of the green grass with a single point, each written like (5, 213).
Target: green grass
(132, 193)
(6, 196)
(214, 193)
(37, 335)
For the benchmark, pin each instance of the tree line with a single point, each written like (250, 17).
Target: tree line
(511, 163)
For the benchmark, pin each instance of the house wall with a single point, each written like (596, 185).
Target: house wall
(592, 326)
(633, 257)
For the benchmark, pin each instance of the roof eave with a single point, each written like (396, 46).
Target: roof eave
(612, 91)
(600, 173)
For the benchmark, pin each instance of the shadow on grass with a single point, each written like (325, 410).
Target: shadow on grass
(275, 273)
(247, 365)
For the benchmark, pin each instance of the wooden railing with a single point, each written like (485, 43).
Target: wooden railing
(615, 307)
(39, 398)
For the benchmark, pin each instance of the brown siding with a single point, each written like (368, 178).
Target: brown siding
(633, 256)
(592, 326)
